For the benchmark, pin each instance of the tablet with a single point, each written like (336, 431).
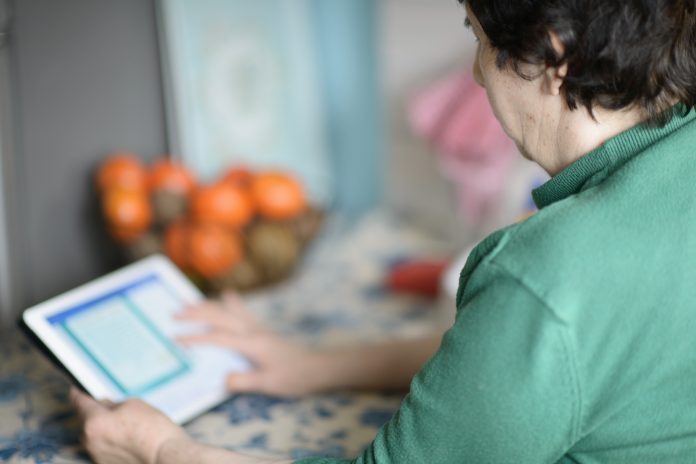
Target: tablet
(115, 336)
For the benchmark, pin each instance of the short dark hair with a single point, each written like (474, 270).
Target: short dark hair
(620, 53)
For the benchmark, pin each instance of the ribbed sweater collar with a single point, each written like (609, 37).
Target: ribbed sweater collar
(613, 153)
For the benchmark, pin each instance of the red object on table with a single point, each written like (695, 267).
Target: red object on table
(419, 277)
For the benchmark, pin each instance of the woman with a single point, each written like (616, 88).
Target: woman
(574, 339)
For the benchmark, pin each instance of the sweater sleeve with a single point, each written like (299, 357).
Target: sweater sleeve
(502, 387)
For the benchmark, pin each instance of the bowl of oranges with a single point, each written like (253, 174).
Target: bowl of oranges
(245, 230)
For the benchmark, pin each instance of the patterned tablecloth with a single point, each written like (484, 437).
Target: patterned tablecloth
(336, 299)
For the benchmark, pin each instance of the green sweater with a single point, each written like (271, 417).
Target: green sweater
(575, 337)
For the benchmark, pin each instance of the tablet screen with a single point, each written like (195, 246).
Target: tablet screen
(121, 335)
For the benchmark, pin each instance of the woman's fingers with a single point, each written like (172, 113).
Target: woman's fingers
(210, 315)
(228, 302)
(250, 347)
(108, 404)
(207, 304)
(227, 314)
(231, 301)
(246, 382)
(86, 405)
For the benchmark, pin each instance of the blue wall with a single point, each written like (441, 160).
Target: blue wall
(311, 85)
(346, 34)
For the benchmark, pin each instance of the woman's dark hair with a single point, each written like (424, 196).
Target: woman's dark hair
(619, 52)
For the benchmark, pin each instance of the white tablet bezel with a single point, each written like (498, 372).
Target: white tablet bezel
(36, 319)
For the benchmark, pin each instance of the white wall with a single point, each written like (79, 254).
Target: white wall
(421, 40)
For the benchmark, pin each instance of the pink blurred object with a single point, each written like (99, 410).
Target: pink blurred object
(473, 151)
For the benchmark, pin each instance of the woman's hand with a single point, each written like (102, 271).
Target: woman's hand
(127, 432)
(282, 368)
(134, 432)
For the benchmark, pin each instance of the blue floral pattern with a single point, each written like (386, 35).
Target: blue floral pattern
(336, 299)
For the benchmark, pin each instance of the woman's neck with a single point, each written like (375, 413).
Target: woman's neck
(578, 133)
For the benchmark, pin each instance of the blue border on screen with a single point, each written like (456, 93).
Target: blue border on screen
(60, 319)
(63, 315)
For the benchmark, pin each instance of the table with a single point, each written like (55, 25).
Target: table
(335, 299)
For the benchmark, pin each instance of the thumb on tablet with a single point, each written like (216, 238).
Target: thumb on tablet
(85, 404)
(246, 382)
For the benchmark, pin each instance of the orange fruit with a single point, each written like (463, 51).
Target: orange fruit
(223, 204)
(278, 195)
(177, 243)
(207, 249)
(128, 213)
(239, 176)
(170, 175)
(122, 170)
(214, 250)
